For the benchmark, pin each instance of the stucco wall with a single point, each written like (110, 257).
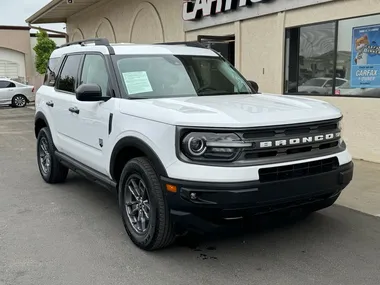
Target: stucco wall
(135, 21)
(16, 57)
(19, 41)
(259, 48)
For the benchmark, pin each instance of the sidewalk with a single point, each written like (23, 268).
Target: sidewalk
(363, 193)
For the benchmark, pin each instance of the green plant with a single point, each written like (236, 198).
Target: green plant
(43, 49)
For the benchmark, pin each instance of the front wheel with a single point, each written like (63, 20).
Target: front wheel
(52, 171)
(144, 210)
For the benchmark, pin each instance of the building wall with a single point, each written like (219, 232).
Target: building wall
(16, 42)
(259, 48)
(135, 21)
(12, 57)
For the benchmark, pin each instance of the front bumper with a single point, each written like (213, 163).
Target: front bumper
(203, 204)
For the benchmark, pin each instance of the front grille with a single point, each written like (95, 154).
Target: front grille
(298, 170)
(286, 133)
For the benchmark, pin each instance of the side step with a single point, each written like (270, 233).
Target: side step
(86, 171)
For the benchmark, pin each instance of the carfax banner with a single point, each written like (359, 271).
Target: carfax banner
(365, 57)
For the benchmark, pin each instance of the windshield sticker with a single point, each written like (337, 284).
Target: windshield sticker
(137, 82)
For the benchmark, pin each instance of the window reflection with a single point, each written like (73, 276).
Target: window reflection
(311, 49)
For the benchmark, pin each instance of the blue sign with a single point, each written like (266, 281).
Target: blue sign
(365, 57)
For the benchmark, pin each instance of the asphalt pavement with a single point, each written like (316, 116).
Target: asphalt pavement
(73, 234)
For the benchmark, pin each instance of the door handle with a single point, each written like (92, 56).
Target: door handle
(50, 103)
(74, 110)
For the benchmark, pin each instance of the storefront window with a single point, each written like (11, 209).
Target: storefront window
(340, 58)
(310, 59)
(358, 56)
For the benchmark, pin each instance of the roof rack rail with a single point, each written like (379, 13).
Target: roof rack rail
(189, 44)
(97, 41)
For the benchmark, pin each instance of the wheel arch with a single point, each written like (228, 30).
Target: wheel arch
(40, 122)
(131, 147)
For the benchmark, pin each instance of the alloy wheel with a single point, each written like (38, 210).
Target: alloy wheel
(44, 156)
(137, 203)
(19, 101)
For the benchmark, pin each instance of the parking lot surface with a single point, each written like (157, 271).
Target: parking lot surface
(73, 234)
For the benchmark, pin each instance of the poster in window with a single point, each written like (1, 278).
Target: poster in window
(365, 57)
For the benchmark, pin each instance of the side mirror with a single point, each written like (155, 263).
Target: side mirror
(254, 86)
(90, 93)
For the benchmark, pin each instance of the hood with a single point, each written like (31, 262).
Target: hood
(231, 110)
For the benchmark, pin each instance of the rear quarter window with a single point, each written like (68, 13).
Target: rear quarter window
(51, 72)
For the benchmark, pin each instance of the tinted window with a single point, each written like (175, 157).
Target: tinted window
(6, 84)
(68, 76)
(51, 72)
(95, 71)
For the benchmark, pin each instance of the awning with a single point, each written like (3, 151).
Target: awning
(57, 11)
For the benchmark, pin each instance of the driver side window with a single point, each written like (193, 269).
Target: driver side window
(95, 72)
(329, 83)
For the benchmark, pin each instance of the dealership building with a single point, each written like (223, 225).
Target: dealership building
(325, 49)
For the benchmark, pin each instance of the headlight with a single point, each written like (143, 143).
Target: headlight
(201, 146)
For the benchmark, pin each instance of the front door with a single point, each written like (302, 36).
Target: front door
(6, 91)
(92, 127)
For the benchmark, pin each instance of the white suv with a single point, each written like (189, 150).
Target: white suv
(182, 138)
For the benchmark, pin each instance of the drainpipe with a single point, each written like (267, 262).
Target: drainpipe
(48, 30)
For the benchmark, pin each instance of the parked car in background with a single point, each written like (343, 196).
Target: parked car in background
(345, 89)
(320, 85)
(14, 93)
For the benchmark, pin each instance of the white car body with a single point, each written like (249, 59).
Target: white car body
(7, 93)
(100, 137)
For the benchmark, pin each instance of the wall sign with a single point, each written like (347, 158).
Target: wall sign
(199, 14)
(365, 57)
(196, 9)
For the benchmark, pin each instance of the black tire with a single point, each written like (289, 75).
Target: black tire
(55, 172)
(19, 101)
(159, 232)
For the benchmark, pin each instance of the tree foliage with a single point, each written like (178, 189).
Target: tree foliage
(43, 49)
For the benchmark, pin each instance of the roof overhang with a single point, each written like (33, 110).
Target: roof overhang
(58, 11)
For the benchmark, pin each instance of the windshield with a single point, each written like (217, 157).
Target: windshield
(314, 82)
(163, 76)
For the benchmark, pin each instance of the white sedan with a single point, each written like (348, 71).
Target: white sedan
(14, 93)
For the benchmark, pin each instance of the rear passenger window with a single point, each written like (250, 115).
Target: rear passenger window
(51, 72)
(68, 77)
(6, 84)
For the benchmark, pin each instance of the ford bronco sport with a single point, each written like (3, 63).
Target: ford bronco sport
(182, 137)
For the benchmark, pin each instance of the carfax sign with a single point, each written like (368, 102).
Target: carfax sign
(365, 57)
